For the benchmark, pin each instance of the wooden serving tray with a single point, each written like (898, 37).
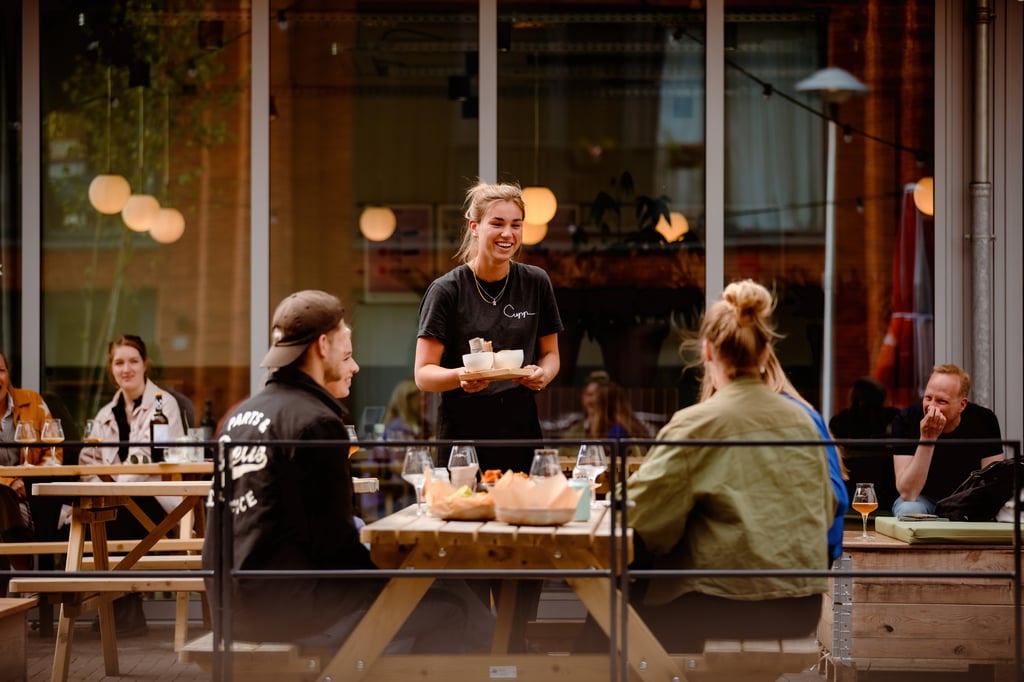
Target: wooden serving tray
(495, 374)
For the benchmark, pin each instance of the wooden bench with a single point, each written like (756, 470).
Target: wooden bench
(750, 660)
(255, 660)
(153, 562)
(61, 546)
(13, 658)
(78, 595)
(757, 660)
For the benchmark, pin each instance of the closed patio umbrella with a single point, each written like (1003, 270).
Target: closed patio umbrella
(907, 355)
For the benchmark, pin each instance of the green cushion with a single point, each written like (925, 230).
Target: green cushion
(946, 532)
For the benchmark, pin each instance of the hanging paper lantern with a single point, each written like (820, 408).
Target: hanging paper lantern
(377, 223)
(108, 193)
(169, 226)
(674, 230)
(140, 212)
(924, 195)
(541, 205)
(533, 233)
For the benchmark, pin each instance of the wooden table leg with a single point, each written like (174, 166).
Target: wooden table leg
(648, 660)
(66, 621)
(101, 562)
(382, 621)
(506, 616)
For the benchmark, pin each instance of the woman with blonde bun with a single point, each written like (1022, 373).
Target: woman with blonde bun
(775, 378)
(705, 507)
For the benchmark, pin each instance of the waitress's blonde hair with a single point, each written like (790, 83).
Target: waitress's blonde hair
(479, 198)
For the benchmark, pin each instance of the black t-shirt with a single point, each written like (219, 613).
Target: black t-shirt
(453, 312)
(951, 464)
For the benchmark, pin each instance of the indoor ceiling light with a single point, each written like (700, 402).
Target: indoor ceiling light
(377, 223)
(672, 231)
(540, 202)
(140, 212)
(534, 233)
(168, 227)
(541, 205)
(924, 195)
(108, 192)
(170, 223)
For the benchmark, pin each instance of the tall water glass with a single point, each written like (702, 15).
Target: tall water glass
(414, 470)
(463, 465)
(545, 464)
(590, 462)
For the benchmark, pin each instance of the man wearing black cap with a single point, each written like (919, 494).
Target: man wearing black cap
(292, 503)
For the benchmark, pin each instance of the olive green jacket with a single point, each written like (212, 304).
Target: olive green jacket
(735, 507)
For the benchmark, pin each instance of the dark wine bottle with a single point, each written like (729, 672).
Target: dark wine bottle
(159, 429)
(209, 427)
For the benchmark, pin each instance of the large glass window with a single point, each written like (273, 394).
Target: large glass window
(777, 164)
(155, 93)
(374, 111)
(10, 225)
(375, 115)
(606, 109)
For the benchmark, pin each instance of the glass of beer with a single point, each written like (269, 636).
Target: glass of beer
(865, 502)
(52, 433)
(91, 432)
(25, 433)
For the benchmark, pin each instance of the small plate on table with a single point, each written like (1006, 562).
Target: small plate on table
(535, 516)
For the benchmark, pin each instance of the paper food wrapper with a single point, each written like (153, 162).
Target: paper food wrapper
(515, 492)
(443, 502)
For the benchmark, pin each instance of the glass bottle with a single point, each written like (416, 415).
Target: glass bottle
(159, 428)
(208, 424)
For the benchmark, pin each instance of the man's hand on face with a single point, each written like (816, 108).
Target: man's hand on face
(932, 423)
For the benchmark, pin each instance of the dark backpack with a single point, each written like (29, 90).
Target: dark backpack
(981, 496)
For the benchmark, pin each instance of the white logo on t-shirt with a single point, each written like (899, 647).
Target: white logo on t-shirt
(510, 311)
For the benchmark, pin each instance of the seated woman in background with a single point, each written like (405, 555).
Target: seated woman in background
(607, 414)
(126, 419)
(733, 507)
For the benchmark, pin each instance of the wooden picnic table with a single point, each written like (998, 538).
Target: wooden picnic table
(93, 504)
(406, 541)
(167, 470)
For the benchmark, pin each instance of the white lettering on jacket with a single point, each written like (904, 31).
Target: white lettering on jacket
(243, 503)
(246, 459)
(249, 418)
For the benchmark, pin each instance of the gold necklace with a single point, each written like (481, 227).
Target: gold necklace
(486, 297)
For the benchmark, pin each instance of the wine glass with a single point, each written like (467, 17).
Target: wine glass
(417, 461)
(865, 501)
(590, 462)
(545, 464)
(463, 465)
(52, 433)
(25, 432)
(91, 432)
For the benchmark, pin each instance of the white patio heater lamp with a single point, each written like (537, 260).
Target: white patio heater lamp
(834, 86)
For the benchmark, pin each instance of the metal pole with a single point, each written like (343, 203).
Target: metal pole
(982, 236)
(828, 323)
